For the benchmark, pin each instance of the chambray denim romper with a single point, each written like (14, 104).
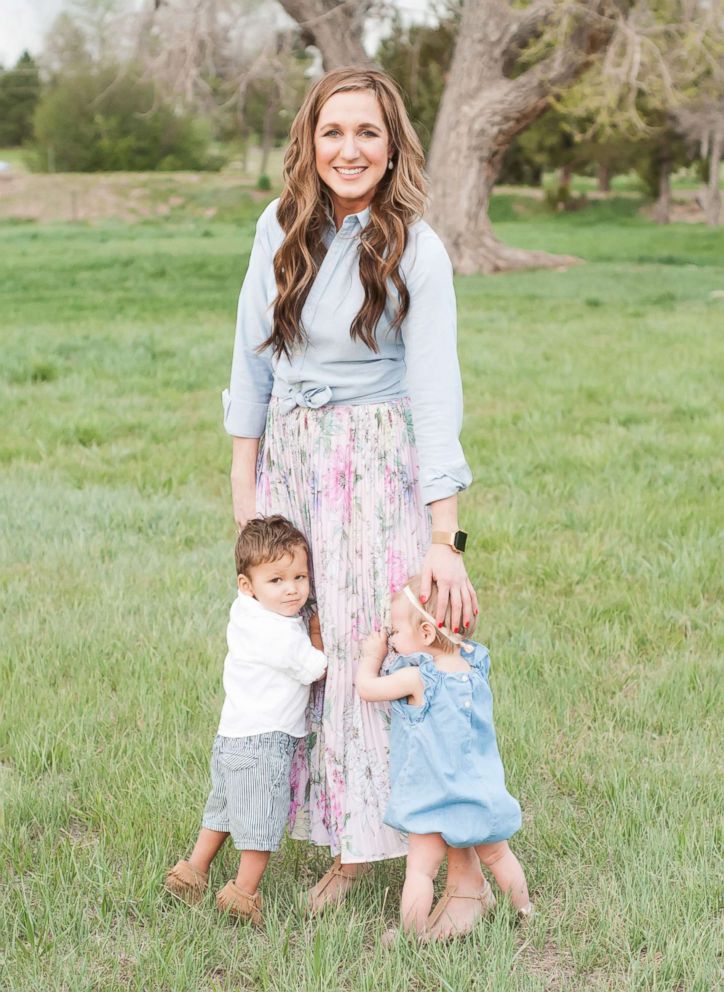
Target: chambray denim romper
(446, 775)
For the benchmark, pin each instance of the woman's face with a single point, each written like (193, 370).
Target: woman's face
(352, 148)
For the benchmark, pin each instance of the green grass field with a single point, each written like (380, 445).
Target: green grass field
(594, 430)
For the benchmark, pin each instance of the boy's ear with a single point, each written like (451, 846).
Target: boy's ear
(245, 585)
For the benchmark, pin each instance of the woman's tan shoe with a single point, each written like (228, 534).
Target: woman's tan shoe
(334, 885)
(243, 905)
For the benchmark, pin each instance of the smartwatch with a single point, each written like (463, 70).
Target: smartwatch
(454, 539)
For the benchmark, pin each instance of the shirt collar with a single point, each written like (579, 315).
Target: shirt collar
(362, 217)
(351, 221)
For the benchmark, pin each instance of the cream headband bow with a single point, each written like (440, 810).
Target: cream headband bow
(453, 638)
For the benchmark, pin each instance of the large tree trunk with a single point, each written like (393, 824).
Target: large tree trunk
(713, 194)
(482, 110)
(334, 27)
(604, 178)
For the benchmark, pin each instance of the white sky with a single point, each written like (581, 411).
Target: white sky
(24, 23)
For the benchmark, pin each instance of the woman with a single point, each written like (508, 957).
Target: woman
(345, 361)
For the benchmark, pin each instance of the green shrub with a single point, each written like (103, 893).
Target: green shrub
(263, 182)
(103, 119)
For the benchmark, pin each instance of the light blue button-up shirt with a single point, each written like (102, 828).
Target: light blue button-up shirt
(420, 362)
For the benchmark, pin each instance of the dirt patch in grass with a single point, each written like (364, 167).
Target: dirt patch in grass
(123, 196)
(554, 967)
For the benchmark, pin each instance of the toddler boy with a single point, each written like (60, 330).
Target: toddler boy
(270, 665)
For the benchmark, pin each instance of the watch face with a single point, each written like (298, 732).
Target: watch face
(460, 540)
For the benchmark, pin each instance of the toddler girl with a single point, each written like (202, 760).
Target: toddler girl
(446, 776)
(268, 669)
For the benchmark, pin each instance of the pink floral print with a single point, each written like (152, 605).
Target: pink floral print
(347, 476)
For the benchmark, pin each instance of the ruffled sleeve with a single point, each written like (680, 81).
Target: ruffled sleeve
(476, 655)
(431, 679)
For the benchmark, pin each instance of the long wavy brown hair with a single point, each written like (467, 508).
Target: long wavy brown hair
(305, 207)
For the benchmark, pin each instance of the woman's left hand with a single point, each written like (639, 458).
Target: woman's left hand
(454, 589)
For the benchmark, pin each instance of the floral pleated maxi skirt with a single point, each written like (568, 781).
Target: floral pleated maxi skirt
(347, 476)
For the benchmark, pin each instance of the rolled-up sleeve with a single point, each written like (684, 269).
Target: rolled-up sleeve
(246, 400)
(429, 333)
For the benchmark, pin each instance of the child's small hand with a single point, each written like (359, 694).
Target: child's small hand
(374, 647)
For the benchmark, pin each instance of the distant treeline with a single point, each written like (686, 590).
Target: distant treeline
(84, 114)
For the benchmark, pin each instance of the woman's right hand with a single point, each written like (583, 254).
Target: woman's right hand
(243, 478)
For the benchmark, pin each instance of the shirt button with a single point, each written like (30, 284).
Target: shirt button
(467, 704)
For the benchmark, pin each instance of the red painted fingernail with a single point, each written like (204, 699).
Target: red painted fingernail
(476, 612)
(423, 598)
(456, 630)
(467, 623)
(440, 624)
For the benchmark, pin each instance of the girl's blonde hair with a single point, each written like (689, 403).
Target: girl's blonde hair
(305, 206)
(442, 641)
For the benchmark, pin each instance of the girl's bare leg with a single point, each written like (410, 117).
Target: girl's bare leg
(206, 848)
(463, 871)
(506, 871)
(424, 857)
(465, 878)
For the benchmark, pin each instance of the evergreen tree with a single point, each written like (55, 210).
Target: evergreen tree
(19, 95)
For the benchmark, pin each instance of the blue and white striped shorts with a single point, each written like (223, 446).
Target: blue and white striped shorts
(250, 789)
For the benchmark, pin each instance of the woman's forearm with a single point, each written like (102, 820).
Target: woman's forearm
(244, 452)
(444, 513)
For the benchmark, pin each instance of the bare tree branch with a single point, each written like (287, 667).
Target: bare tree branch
(528, 25)
(335, 27)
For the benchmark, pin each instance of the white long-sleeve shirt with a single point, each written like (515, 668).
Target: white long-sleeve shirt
(267, 672)
(421, 362)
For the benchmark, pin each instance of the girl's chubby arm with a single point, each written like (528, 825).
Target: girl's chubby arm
(374, 688)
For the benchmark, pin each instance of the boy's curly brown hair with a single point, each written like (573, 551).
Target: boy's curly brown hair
(266, 539)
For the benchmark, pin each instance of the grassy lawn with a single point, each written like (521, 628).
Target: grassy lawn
(594, 430)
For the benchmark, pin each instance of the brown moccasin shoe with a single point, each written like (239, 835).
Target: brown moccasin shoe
(243, 905)
(186, 882)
